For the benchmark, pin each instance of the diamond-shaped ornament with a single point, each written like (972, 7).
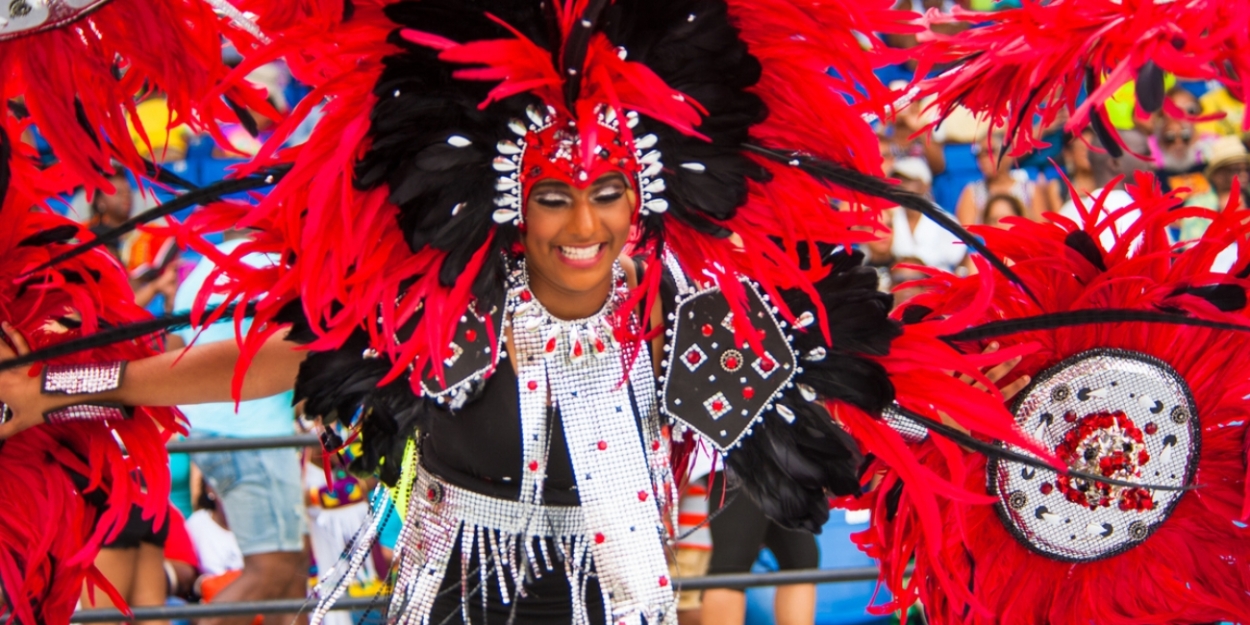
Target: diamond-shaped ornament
(694, 357)
(717, 405)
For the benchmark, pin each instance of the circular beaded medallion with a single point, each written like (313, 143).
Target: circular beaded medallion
(1117, 414)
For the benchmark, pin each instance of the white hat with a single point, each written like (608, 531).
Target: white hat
(913, 168)
(1226, 151)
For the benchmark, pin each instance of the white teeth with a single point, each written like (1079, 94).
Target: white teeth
(580, 253)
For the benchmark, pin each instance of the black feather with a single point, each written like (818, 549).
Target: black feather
(1085, 245)
(1150, 87)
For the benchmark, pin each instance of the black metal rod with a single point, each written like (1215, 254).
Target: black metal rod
(192, 445)
(282, 606)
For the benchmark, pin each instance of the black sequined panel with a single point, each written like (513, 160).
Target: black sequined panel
(713, 385)
(471, 357)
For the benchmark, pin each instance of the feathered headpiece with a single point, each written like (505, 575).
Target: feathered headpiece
(1132, 348)
(1023, 67)
(439, 114)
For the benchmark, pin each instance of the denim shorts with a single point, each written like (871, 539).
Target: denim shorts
(263, 494)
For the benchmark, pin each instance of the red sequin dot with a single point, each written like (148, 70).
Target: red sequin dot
(748, 392)
(532, 385)
(731, 363)
(599, 538)
(718, 405)
(663, 581)
(693, 358)
(526, 296)
(642, 495)
(577, 349)
(1047, 488)
(470, 335)
(533, 465)
(551, 345)
(431, 495)
(767, 364)
(707, 329)
(603, 445)
(1151, 428)
(655, 445)
(599, 346)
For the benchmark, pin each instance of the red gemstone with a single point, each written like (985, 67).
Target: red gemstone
(655, 445)
(748, 392)
(470, 335)
(718, 405)
(731, 363)
(603, 445)
(663, 581)
(767, 364)
(551, 345)
(577, 349)
(526, 296)
(642, 495)
(533, 465)
(1151, 428)
(599, 346)
(707, 329)
(1047, 488)
(599, 538)
(693, 358)
(431, 495)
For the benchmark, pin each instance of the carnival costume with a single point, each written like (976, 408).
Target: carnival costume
(739, 125)
(439, 117)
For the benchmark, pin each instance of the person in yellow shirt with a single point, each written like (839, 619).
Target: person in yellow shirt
(158, 141)
(1221, 100)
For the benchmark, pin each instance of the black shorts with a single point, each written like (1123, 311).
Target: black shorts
(741, 530)
(548, 599)
(139, 530)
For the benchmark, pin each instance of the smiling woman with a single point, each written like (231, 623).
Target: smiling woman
(572, 237)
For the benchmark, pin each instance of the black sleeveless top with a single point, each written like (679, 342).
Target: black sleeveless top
(479, 446)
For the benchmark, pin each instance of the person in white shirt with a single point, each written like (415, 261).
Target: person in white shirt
(917, 236)
(1105, 169)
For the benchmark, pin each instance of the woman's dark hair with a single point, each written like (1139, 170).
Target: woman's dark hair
(1017, 207)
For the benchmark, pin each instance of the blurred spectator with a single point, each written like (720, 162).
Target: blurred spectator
(739, 530)
(1176, 148)
(916, 235)
(879, 253)
(693, 553)
(1221, 100)
(1000, 207)
(134, 563)
(242, 141)
(259, 490)
(1228, 161)
(152, 135)
(337, 510)
(1076, 167)
(215, 545)
(1107, 169)
(909, 137)
(999, 177)
(182, 564)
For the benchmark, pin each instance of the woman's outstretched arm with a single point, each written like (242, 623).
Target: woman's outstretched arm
(197, 375)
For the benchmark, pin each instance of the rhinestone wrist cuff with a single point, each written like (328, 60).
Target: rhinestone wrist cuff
(85, 412)
(84, 379)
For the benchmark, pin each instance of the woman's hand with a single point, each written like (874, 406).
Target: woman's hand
(1001, 371)
(19, 391)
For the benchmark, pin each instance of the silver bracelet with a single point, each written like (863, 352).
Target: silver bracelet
(83, 379)
(79, 413)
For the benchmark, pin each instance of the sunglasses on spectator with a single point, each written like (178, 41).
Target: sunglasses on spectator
(1172, 137)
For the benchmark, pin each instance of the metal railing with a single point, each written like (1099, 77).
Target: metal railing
(288, 606)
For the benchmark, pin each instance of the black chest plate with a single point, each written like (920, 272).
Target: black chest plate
(711, 384)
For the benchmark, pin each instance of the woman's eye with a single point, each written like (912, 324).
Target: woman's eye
(607, 196)
(553, 200)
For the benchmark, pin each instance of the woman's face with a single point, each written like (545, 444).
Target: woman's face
(573, 236)
(997, 211)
